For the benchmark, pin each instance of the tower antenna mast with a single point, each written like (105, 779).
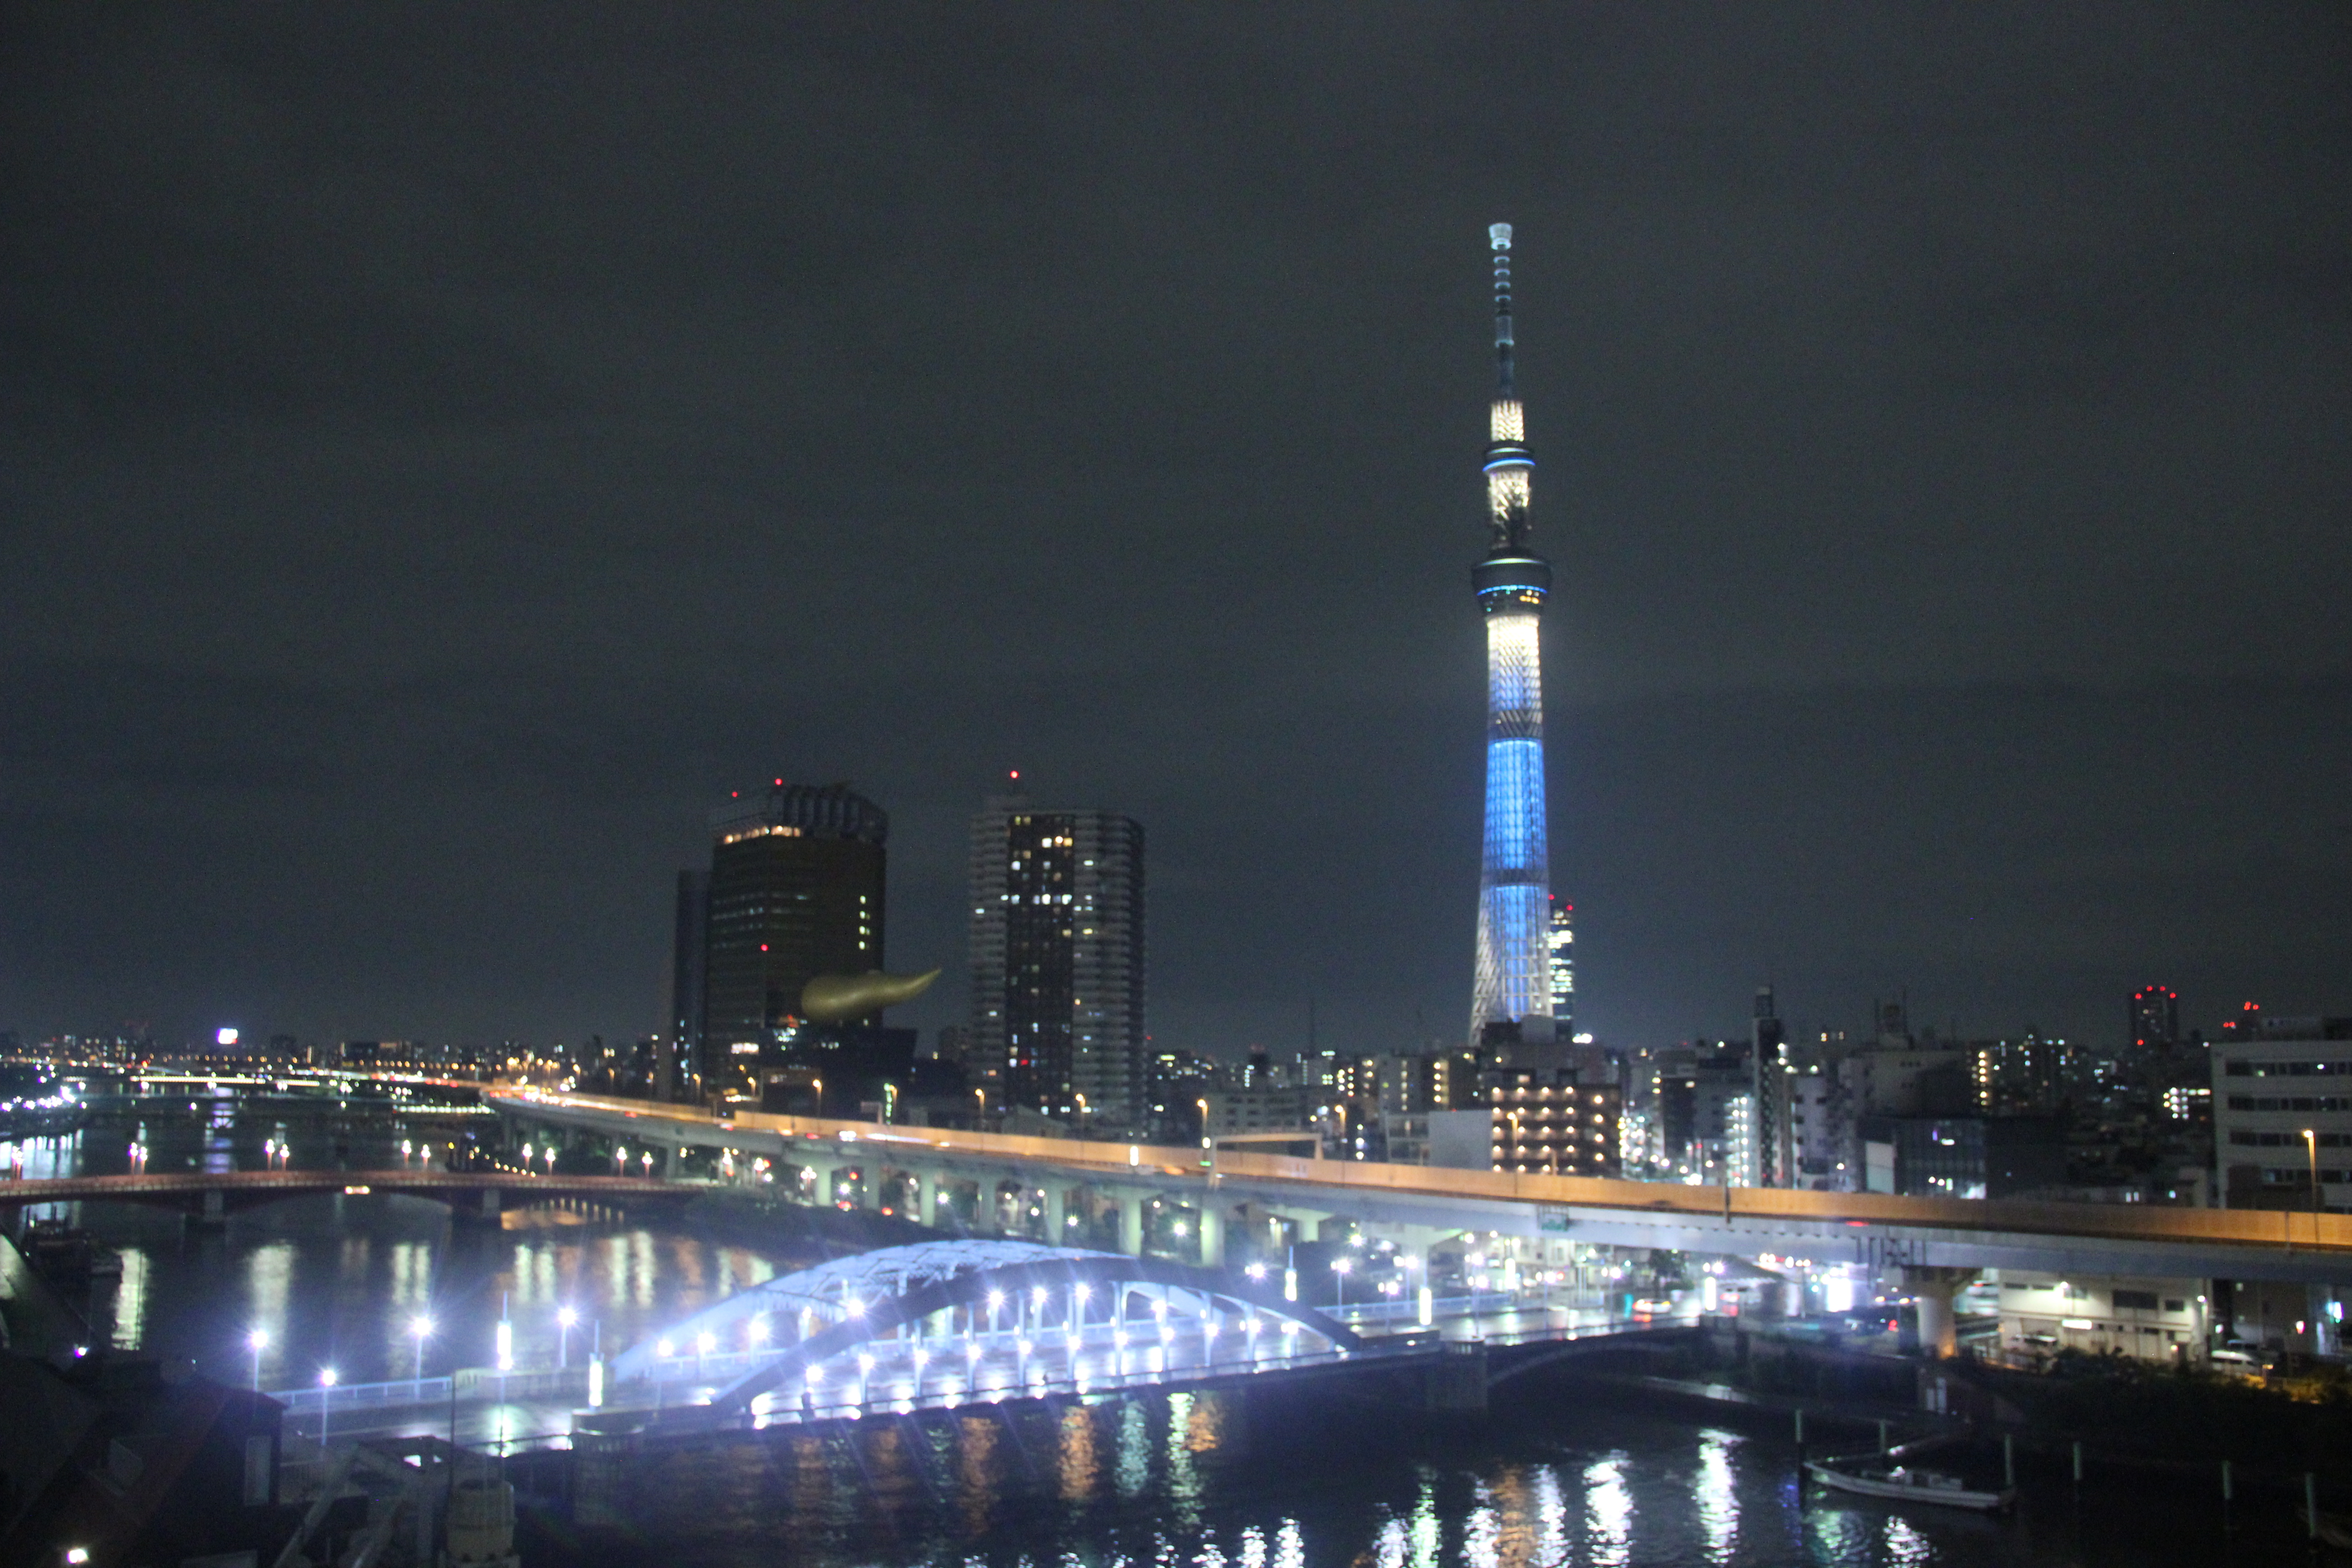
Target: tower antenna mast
(1511, 994)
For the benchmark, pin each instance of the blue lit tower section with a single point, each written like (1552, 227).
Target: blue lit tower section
(1513, 988)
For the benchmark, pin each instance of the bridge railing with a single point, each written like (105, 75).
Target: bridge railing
(467, 1383)
(343, 1397)
(1389, 1310)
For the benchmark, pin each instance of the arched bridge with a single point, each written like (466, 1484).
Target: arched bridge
(940, 1323)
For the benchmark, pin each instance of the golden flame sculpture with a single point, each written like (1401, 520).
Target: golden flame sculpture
(837, 998)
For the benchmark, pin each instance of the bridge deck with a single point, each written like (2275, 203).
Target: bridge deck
(2266, 1230)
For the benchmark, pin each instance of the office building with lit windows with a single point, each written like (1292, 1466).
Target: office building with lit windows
(1559, 1130)
(1561, 942)
(1057, 972)
(2281, 1111)
(796, 890)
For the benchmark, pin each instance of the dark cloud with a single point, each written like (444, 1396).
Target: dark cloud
(441, 449)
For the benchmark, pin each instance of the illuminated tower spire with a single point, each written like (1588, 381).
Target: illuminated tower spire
(1513, 983)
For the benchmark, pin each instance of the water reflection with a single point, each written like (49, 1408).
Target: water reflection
(1716, 1496)
(1134, 1452)
(1608, 1513)
(1551, 1518)
(1482, 1531)
(131, 1300)
(1424, 1520)
(1905, 1545)
(1079, 1470)
(1289, 1546)
(1190, 1432)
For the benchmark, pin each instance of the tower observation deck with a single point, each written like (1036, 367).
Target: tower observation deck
(1512, 986)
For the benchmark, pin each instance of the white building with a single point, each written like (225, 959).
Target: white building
(2152, 1319)
(2283, 1108)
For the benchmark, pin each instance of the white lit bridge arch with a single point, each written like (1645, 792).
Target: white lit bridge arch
(941, 1323)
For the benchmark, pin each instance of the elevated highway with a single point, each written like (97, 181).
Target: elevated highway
(1225, 1187)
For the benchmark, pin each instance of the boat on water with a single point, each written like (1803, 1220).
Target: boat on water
(1876, 1476)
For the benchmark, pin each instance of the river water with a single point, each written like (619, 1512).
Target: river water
(340, 1283)
(1569, 1478)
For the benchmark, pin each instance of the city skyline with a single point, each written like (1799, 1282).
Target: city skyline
(414, 529)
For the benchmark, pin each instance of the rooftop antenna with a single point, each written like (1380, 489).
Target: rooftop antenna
(1499, 235)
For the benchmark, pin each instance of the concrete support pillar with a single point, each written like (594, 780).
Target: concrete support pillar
(1932, 1289)
(1058, 1215)
(821, 1192)
(1130, 1224)
(927, 1198)
(1212, 1234)
(671, 1157)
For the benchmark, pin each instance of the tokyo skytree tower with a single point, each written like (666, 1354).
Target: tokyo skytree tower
(1513, 983)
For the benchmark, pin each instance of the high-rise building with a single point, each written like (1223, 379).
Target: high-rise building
(2155, 1017)
(1563, 946)
(795, 892)
(680, 1057)
(1058, 960)
(1774, 1151)
(1511, 995)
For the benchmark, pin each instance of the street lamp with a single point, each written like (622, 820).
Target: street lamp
(422, 1327)
(255, 1342)
(2311, 1147)
(1339, 1266)
(564, 1317)
(326, 1382)
(1203, 1104)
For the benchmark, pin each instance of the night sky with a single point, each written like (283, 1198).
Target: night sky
(444, 450)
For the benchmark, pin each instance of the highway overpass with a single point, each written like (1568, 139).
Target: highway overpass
(1926, 1237)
